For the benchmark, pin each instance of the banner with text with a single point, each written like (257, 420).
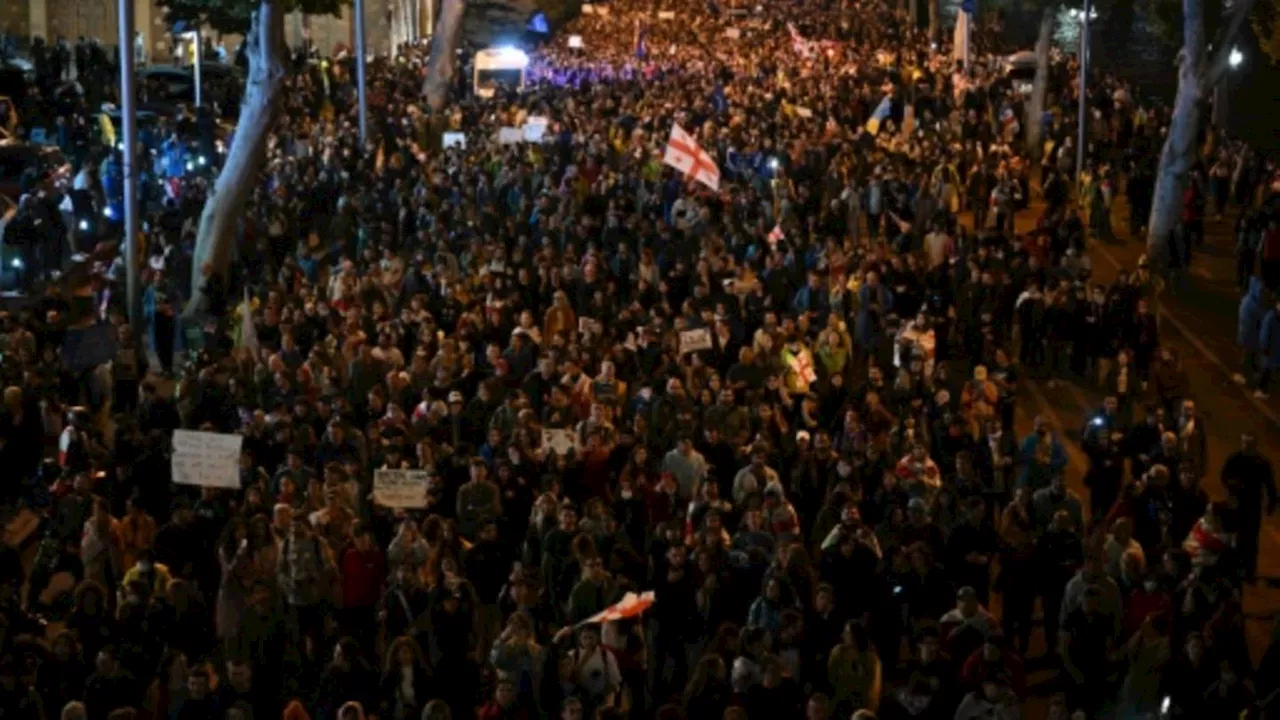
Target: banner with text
(400, 488)
(206, 459)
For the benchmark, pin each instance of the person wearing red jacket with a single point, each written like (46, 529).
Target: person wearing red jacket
(505, 704)
(364, 574)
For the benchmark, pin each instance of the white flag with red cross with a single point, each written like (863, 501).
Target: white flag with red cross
(684, 154)
(631, 605)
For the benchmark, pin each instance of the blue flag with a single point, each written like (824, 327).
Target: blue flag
(718, 100)
(880, 115)
(642, 50)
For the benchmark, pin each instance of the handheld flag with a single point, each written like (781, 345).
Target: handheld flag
(642, 49)
(880, 115)
(631, 605)
(248, 333)
(960, 43)
(684, 155)
(718, 100)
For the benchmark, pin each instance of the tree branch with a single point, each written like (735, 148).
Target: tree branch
(1222, 56)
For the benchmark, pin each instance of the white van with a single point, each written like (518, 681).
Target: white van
(496, 67)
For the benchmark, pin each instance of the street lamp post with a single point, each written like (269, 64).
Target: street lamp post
(362, 100)
(129, 156)
(1082, 121)
(1219, 118)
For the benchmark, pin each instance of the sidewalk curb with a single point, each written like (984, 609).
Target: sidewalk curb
(1193, 340)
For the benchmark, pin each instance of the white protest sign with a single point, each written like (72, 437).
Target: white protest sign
(535, 128)
(666, 15)
(695, 340)
(400, 488)
(510, 135)
(732, 33)
(803, 112)
(206, 459)
(575, 41)
(588, 9)
(559, 440)
(454, 139)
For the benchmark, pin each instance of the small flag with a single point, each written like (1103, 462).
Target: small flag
(684, 154)
(880, 115)
(631, 605)
(248, 333)
(642, 48)
(960, 43)
(718, 100)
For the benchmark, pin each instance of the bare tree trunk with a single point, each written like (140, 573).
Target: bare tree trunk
(934, 20)
(1040, 86)
(220, 220)
(1197, 76)
(444, 47)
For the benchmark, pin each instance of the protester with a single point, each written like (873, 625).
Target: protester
(779, 393)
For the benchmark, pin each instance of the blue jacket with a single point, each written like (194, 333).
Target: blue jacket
(1249, 323)
(1269, 340)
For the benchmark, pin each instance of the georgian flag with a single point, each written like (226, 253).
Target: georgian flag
(684, 154)
(631, 605)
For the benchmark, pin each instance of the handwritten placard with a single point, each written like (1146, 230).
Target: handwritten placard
(575, 41)
(454, 139)
(535, 128)
(559, 440)
(510, 135)
(666, 15)
(206, 459)
(588, 9)
(400, 488)
(695, 340)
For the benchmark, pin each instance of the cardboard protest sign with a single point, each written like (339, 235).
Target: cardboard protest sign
(400, 488)
(695, 340)
(666, 15)
(206, 459)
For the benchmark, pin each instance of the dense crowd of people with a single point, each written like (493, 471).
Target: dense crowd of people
(829, 498)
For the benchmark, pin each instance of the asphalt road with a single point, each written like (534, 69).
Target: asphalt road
(1198, 321)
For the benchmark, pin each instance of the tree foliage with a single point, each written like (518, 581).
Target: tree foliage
(232, 16)
(1264, 20)
(1266, 26)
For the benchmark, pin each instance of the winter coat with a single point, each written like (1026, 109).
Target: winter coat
(863, 329)
(1249, 322)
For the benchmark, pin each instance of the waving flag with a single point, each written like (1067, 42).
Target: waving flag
(960, 42)
(631, 605)
(642, 48)
(718, 100)
(684, 155)
(880, 115)
(248, 332)
(802, 47)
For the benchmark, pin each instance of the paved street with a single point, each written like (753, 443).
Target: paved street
(1199, 323)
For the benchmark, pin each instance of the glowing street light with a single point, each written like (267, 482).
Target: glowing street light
(1234, 58)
